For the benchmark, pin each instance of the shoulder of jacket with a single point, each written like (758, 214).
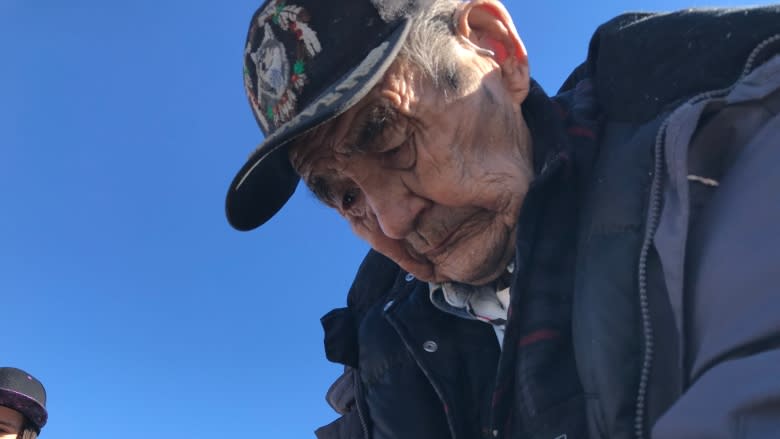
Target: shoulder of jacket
(642, 63)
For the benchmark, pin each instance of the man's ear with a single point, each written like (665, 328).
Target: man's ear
(487, 25)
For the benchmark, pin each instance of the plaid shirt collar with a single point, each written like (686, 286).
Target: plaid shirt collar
(486, 303)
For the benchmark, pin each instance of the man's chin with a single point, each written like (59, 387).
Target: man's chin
(474, 276)
(423, 272)
(489, 268)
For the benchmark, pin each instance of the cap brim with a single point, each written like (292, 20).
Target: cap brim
(267, 180)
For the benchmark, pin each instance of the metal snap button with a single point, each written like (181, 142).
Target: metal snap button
(409, 277)
(430, 346)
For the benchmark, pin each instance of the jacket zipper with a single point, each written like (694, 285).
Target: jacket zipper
(754, 54)
(654, 213)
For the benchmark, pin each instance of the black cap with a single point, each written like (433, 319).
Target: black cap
(306, 62)
(22, 392)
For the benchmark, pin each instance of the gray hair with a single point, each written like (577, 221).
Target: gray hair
(430, 45)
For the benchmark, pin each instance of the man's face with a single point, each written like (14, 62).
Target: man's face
(433, 182)
(10, 423)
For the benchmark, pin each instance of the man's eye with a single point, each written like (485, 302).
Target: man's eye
(348, 199)
(403, 156)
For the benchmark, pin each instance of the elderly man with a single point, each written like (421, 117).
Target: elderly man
(601, 264)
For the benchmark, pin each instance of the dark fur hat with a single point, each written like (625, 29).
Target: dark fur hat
(22, 392)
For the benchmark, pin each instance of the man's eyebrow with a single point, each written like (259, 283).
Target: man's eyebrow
(377, 119)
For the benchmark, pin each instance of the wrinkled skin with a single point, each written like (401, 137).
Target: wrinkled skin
(438, 186)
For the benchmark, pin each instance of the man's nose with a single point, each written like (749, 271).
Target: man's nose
(396, 209)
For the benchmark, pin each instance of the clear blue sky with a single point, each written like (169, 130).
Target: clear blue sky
(123, 288)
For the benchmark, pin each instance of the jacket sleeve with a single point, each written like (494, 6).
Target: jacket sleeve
(374, 280)
(341, 347)
(732, 305)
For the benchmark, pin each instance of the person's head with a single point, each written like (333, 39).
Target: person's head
(22, 404)
(431, 164)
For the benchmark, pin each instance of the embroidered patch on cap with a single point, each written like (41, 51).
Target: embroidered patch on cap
(278, 81)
